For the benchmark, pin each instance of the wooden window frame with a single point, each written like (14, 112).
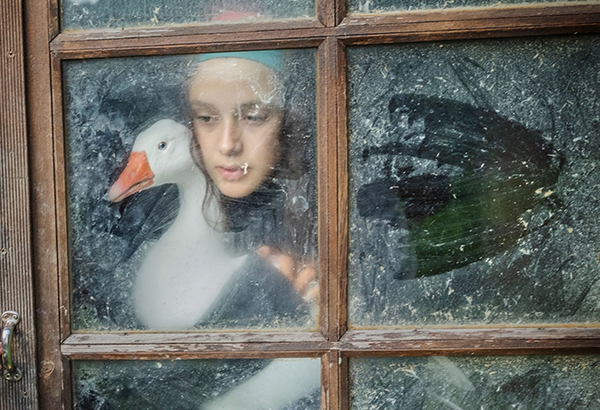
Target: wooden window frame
(331, 31)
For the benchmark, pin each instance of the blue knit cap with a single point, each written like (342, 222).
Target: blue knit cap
(270, 58)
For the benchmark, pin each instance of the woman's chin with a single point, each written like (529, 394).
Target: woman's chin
(237, 189)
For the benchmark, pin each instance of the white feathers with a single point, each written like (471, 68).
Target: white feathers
(185, 270)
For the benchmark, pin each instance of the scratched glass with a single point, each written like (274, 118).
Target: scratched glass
(192, 191)
(279, 384)
(474, 383)
(473, 182)
(385, 6)
(110, 14)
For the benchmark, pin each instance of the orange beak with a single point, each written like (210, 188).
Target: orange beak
(136, 176)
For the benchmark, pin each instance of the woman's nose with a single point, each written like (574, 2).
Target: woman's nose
(230, 142)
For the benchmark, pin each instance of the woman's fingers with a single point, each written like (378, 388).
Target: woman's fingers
(264, 251)
(302, 277)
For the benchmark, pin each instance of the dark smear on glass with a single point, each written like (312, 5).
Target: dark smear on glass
(503, 171)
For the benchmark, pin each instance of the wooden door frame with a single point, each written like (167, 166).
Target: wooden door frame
(332, 31)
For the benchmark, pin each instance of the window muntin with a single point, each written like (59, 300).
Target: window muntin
(470, 182)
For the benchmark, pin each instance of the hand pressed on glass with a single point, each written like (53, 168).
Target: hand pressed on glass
(302, 276)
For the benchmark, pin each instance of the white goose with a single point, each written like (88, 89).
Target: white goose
(185, 270)
(183, 273)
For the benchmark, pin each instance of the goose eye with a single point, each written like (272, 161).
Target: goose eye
(162, 145)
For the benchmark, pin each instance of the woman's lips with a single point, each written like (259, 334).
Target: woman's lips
(232, 173)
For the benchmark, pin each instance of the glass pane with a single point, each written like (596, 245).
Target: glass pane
(473, 179)
(192, 191)
(280, 384)
(101, 14)
(474, 383)
(382, 6)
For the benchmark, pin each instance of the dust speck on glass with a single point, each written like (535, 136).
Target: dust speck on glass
(473, 383)
(473, 182)
(103, 14)
(386, 6)
(160, 239)
(280, 384)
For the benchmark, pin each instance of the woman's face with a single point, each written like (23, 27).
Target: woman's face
(237, 121)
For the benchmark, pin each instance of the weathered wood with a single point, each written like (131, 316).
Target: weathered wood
(326, 13)
(331, 32)
(498, 341)
(334, 371)
(340, 11)
(374, 29)
(341, 166)
(326, 264)
(190, 351)
(192, 337)
(52, 21)
(328, 72)
(39, 118)
(463, 333)
(16, 280)
(60, 172)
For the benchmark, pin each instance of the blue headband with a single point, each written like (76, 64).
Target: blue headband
(270, 58)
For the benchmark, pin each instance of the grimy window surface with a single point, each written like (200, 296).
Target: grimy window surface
(383, 6)
(98, 14)
(472, 174)
(325, 204)
(149, 246)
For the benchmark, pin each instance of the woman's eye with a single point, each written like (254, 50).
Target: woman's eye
(205, 118)
(162, 145)
(256, 117)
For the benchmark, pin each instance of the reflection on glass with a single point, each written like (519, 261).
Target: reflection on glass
(191, 191)
(473, 383)
(99, 14)
(472, 166)
(382, 6)
(280, 384)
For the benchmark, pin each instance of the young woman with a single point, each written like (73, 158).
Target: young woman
(250, 145)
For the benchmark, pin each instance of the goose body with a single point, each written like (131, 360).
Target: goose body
(184, 272)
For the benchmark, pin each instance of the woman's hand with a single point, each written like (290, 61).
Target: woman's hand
(302, 276)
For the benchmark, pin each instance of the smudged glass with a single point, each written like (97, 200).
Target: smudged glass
(473, 383)
(111, 14)
(130, 263)
(383, 6)
(473, 175)
(283, 384)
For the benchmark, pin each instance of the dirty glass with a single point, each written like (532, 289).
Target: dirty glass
(474, 383)
(103, 14)
(383, 6)
(279, 384)
(473, 182)
(191, 191)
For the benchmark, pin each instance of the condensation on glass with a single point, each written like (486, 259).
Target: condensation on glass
(181, 171)
(278, 384)
(473, 182)
(473, 383)
(103, 14)
(385, 6)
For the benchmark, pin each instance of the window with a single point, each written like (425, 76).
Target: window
(453, 150)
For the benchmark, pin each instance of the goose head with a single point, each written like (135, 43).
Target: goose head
(161, 155)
